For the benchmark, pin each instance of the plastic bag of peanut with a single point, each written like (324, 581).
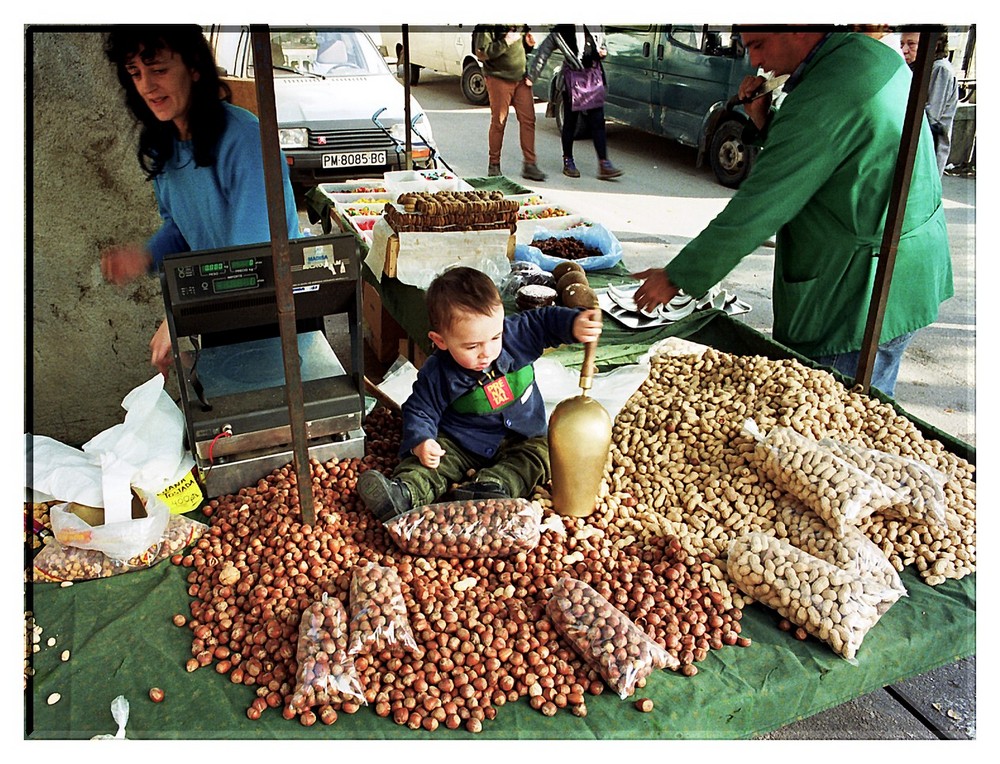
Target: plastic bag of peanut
(476, 528)
(604, 637)
(920, 488)
(378, 611)
(833, 488)
(57, 562)
(325, 673)
(836, 606)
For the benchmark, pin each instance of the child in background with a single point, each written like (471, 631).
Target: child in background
(475, 404)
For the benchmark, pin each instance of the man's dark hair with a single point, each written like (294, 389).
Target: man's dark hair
(207, 117)
(460, 290)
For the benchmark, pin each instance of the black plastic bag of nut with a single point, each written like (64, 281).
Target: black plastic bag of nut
(325, 672)
(604, 637)
(475, 528)
(378, 612)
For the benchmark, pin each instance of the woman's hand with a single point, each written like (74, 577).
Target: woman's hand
(123, 264)
(656, 289)
(587, 325)
(160, 350)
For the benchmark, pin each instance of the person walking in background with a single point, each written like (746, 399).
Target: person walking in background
(504, 49)
(942, 91)
(827, 204)
(582, 49)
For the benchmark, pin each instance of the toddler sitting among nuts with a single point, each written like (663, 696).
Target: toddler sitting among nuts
(475, 405)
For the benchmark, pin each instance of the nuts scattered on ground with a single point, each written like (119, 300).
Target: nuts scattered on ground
(644, 704)
(156, 694)
(53, 698)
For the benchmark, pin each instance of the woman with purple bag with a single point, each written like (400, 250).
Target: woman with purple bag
(581, 81)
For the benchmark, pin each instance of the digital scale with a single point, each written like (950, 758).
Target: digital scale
(233, 384)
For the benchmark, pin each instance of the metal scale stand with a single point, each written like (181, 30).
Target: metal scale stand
(233, 392)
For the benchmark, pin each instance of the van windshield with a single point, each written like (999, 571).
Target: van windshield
(330, 53)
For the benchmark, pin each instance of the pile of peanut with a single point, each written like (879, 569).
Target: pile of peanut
(677, 448)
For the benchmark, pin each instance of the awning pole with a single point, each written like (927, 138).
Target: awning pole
(274, 188)
(897, 206)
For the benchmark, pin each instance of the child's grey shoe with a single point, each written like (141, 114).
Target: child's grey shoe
(486, 489)
(384, 498)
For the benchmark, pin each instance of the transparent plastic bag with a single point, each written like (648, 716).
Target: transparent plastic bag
(474, 528)
(853, 552)
(378, 611)
(831, 487)
(56, 562)
(920, 488)
(604, 637)
(834, 605)
(325, 671)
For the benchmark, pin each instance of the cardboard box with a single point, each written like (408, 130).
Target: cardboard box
(381, 330)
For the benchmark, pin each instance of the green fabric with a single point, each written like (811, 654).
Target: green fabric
(828, 207)
(502, 60)
(476, 402)
(122, 642)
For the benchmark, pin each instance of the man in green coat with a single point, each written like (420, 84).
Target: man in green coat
(822, 180)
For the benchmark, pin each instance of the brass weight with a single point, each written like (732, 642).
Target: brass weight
(579, 431)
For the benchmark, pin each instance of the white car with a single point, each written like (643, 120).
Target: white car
(340, 109)
(447, 50)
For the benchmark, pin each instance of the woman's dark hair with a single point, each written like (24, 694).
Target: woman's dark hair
(207, 117)
(460, 290)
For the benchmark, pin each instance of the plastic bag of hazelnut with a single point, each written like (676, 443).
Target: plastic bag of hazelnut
(474, 528)
(836, 490)
(604, 637)
(378, 611)
(326, 673)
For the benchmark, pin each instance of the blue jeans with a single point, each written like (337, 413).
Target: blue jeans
(887, 359)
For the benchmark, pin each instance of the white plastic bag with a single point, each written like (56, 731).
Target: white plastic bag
(119, 540)
(119, 710)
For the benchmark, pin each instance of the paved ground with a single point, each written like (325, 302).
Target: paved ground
(661, 202)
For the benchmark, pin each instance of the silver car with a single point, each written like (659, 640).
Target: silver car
(340, 109)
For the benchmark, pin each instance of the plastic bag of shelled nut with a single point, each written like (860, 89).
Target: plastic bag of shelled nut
(473, 528)
(378, 611)
(604, 637)
(833, 488)
(920, 488)
(57, 562)
(836, 606)
(325, 671)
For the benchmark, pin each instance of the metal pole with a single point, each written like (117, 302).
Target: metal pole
(912, 123)
(274, 188)
(406, 96)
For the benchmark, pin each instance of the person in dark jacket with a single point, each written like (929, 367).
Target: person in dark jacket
(475, 405)
(582, 48)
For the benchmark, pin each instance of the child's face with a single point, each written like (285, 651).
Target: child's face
(474, 340)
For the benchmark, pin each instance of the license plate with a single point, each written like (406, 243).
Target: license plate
(352, 159)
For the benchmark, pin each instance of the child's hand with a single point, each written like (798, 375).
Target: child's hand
(587, 325)
(429, 453)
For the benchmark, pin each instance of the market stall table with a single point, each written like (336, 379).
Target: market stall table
(122, 640)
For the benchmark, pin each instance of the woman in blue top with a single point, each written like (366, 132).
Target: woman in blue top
(202, 153)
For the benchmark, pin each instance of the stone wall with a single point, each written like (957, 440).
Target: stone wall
(88, 340)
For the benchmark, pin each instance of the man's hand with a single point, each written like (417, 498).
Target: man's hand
(429, 453)
(587, 325)
(758, 109)
(124, 264)
(656, 289)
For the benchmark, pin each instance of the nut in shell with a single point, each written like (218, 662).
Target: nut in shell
(229, 575)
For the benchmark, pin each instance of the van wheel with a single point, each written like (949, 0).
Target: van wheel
(414, 72)
(730, 157)
(581, 124)
(474, 85)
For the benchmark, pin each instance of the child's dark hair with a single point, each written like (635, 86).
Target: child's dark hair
(207, 117)
(460, 290)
